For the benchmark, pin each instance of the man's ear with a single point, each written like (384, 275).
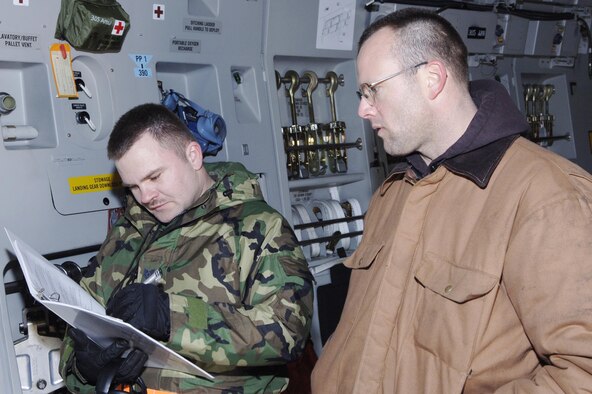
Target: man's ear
(194, 155)
(437, 76)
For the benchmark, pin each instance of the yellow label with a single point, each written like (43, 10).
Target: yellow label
(94, 183)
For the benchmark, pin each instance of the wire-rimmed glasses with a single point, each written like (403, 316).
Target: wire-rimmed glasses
(368, 90)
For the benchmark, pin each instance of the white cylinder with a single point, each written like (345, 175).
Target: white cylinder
(19, 133)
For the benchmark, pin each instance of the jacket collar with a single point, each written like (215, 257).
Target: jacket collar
(495, 126)
(479, 165)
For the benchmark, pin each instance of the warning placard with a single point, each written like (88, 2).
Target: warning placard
(94, 183)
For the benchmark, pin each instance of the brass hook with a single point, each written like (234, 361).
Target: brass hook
(331, 88)
(312, 85)
(290, 91)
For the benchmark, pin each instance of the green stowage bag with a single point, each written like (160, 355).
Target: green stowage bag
(93, 25)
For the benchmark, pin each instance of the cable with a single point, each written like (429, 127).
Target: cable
(442, 6)
(535, 15)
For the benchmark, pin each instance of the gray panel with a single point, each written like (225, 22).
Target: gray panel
(223, 55)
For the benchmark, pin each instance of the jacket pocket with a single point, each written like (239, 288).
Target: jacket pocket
(364, 255)
(453, 282)
(452, 303)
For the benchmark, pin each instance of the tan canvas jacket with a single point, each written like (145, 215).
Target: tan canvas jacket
(462, 289)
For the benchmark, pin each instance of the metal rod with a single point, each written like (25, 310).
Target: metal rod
(327, 222)
(346, 145)
(330, 238)
(305, 80)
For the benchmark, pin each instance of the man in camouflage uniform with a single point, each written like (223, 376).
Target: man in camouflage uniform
(235, 295)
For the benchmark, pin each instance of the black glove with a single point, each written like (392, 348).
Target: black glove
(91, 359)
(144, 306)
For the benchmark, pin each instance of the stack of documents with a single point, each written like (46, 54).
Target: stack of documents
(69, 301)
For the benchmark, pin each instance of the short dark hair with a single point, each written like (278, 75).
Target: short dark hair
(422, 35)
(162, 124)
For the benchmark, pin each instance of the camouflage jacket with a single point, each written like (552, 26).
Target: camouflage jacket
(239, 288)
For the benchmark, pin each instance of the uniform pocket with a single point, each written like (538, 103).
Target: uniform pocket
(364, 255)
(451, 307)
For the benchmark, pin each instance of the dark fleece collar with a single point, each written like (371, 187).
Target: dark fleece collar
(493, 129)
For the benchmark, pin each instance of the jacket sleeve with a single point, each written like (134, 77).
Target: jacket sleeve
(548, 276)
(94, 285)
(271, 323)
(73, 384)
(67, 360)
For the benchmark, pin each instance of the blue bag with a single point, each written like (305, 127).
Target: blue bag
(208, 128)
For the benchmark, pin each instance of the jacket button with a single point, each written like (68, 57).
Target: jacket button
(448, 289)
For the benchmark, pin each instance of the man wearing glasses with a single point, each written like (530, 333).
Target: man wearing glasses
(475, 271)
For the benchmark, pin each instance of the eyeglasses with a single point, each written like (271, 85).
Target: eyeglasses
(368, 90)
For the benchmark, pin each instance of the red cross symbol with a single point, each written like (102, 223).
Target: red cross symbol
(118, 28)
(158, 11)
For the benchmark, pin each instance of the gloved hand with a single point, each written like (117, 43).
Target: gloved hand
(144, 306)
(91, 359)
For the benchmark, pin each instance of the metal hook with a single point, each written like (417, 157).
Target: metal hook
(290, 92)
(331, 88)
(312, 85)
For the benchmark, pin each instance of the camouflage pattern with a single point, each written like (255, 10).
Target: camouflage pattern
(239, 286)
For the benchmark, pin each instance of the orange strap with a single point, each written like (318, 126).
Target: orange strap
(127, 389)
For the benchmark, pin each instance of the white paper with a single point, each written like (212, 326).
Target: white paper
(69, 301)
(335, 24)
